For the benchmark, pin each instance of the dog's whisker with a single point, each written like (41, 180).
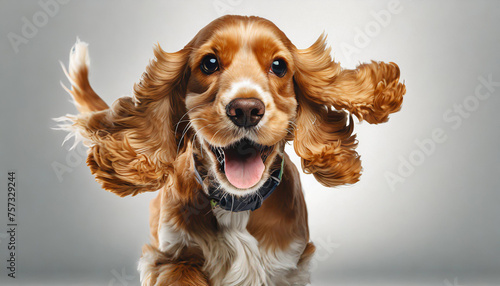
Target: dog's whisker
(190, 124)
(213, 136)
(196, 133)
(187, 112)
(191, 109)
(187, 120)
(289, 131)
(224, 195)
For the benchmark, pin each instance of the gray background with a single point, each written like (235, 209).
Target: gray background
(439, 226)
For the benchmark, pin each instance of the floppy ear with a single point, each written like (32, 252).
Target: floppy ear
(323, 137)
(133, 143)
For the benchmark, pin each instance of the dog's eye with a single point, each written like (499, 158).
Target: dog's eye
(278, 67)
(209, 64)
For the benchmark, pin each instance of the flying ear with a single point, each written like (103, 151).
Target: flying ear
(323, 137)
(132, 144)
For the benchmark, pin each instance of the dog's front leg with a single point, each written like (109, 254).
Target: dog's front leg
(157, 269)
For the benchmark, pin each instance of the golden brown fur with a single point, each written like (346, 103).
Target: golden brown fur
(147, 142)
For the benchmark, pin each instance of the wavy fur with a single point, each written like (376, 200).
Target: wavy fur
(177, 113)
(132, 144)
(323, 137)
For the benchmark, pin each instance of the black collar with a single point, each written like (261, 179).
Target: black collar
(229, 202)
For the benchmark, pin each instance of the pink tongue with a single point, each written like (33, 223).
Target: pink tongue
(243, 167)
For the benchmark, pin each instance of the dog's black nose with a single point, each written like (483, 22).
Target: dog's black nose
(245, 112)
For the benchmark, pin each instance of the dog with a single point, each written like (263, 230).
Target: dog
(206, 128)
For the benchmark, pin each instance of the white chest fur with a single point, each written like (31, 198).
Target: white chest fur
(234, 257)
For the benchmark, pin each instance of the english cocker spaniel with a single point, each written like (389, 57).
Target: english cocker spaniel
(206, 127)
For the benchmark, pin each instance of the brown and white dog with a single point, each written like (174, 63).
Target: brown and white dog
(206, 127)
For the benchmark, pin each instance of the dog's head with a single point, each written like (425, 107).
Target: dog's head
(235, 95)
(240, 98)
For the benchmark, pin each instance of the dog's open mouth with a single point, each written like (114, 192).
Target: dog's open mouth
(242, 162)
